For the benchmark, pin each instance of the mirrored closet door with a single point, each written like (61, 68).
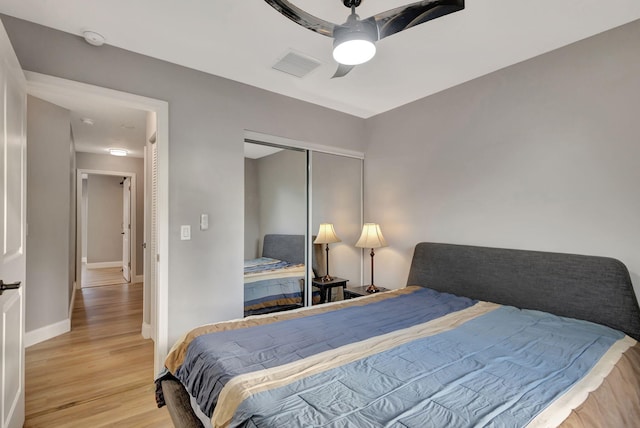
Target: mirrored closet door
(336, 207)
(289, 193)
(275, 228)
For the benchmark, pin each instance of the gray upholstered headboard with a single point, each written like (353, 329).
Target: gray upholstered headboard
(284, 247)
(287, 247)
(591, 288)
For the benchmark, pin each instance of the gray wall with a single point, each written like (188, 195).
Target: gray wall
(48, 214)
(282, 186)
(92, 161)
(541, 155)
(207, 119)
(251, 210)
(104, 219)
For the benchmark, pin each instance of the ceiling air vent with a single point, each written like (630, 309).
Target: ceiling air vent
(296, 64)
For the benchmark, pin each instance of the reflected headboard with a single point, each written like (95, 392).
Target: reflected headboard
(591, 288)
(286, 247)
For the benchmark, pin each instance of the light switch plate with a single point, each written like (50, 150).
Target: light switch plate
(204, 221)
(185, 232)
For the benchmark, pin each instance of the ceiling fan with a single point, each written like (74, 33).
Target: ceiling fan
(354, 41)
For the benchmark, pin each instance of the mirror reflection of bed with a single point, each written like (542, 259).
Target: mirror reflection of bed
(275, 281)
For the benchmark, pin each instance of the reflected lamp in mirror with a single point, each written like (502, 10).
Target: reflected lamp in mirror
(371, 238)
(326, 235)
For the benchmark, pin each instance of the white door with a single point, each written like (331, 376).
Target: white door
(13, 160)
(126, 229)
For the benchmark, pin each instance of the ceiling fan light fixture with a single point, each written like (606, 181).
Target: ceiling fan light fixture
(354, 42)
(353, 50)
(118, 152)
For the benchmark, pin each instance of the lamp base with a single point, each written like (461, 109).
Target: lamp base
(326, 278)
(372, 289)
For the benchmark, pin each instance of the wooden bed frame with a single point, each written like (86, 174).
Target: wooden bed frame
(591, 288)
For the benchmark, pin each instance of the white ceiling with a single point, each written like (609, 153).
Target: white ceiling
(241, 40)
(114, 125)
(257, 151)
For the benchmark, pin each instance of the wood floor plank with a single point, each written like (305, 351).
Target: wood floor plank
(101, 373)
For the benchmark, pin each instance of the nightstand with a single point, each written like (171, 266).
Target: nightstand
(359, 291)
(326, 286)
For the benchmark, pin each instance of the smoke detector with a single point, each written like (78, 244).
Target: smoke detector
(93, 38)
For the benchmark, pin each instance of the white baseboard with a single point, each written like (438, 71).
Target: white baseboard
(137, 278)
(47, 332)
(84, 260)
(100, 265)
(146, 331)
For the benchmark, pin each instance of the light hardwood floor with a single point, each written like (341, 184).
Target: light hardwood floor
(101, 276)
(101, 373)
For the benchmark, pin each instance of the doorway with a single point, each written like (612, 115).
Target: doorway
(107, 228)
(41, 86)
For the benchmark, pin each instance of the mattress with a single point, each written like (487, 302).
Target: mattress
(410, 358)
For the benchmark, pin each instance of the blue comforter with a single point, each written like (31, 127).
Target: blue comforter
(413, 359)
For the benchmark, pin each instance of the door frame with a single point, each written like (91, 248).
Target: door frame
(128, 258)
(37, 82)
(133, 243)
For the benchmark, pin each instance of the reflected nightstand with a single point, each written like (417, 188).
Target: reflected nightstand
(326, 286)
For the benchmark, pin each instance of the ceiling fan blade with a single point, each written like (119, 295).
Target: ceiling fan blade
(395, 20)
(303, 18)
(342, 70)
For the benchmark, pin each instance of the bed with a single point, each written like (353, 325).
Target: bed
(479, 337)
(275, 281)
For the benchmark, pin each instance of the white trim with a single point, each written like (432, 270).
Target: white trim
(288, 142)
(37, 81)
(84, 260)
(146, 331)
(47, 332)
(100, 265)
(162, 288)
(137, 278)
(72, 301)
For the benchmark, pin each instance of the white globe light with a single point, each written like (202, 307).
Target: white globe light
(354, 51)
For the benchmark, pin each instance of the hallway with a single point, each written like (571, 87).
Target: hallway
(99, 374)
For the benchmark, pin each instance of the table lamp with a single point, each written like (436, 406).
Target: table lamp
(371, 237)
(326, 235)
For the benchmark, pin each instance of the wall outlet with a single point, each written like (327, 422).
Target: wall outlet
(185, 232)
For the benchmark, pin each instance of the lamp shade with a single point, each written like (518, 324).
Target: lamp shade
(326, 234)
(371, 237)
